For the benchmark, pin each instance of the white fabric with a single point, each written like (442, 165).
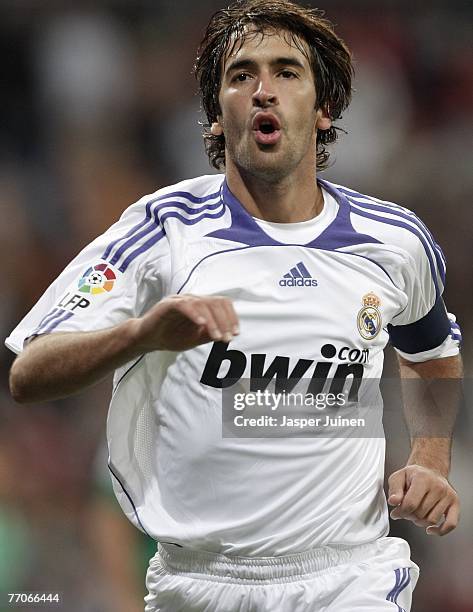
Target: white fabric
(175, 475)
(377, 577)
(303, 231)
(448, 348)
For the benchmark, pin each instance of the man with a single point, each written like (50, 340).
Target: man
(267, 273)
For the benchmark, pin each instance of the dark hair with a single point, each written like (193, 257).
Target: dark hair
(330, 59)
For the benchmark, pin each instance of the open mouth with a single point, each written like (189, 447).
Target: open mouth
(267, 128)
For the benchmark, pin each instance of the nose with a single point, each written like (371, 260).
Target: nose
(264, 95)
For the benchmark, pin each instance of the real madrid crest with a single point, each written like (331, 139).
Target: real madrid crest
(369, 318)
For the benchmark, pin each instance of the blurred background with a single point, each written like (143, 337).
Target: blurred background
(98, 108)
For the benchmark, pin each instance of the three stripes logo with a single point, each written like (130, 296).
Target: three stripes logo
(298, 276)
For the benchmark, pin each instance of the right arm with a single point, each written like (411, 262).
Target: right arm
(59, 364)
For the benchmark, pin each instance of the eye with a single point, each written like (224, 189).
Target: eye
(241, 77)
(288, 74)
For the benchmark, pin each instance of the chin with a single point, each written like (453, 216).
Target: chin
(269, 166)
(270, 170)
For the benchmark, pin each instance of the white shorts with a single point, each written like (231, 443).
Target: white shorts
(375, 577)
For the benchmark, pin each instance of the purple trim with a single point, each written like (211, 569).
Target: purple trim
(183, 194)
(401, 584)
(395, 209)
(245, 230)
(144, 247)
(130, 242)
(150, 224)
(419, 232)
(391, 593)
(412, 230)
(404, 586)
(340, 233)
(63, 317)
(156, 237)
(128, 496)
(455, 331)
(56, 314)
(45, 320)
(192, 221)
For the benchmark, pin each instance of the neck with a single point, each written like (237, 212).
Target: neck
(292, 199)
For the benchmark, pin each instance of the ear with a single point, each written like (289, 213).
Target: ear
(323, 121)
(216, 129)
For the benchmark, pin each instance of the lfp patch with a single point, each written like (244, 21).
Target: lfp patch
(369, 318)
(97, 279)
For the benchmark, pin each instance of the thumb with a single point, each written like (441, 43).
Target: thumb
(397, 483)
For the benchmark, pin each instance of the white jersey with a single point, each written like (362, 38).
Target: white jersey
(328, 293)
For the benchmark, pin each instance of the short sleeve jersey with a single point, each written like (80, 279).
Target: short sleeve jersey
(332, 292)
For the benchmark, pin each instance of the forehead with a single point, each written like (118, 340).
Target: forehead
(264, 45)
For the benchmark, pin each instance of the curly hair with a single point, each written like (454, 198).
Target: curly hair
(330, 59)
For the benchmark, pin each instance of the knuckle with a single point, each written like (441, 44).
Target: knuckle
(433, 519)
(184, 299)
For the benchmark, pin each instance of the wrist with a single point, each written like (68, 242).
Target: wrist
(130, 334)
(431, 453)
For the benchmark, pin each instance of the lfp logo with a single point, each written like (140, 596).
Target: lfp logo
(98, 279)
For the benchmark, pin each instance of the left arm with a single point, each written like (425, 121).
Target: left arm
(420, 491)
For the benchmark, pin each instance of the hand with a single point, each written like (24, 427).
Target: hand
(425, 497)
(181, 322)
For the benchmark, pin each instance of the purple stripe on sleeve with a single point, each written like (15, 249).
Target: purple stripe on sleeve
(66, 315)
(144, 247)
(156, 237)
(395, 209)
(59, 312)
(148, 215)
(45, 320)
(433, 272)
(133, 240)
(158, 220)
(439, 256)
(175, 214)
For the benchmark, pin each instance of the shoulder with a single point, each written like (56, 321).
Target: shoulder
(183, 201)
(388, 221)
(193, 192)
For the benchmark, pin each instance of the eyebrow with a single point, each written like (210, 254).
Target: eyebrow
(279, 61)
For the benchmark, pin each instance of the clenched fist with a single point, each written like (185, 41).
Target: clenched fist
(181, 322)
(425, 497)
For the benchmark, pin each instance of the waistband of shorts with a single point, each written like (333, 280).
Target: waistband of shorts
(207, 565)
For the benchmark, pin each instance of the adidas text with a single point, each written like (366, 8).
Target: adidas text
(298, 282)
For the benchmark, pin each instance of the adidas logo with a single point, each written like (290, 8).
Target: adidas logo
(298, 276)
